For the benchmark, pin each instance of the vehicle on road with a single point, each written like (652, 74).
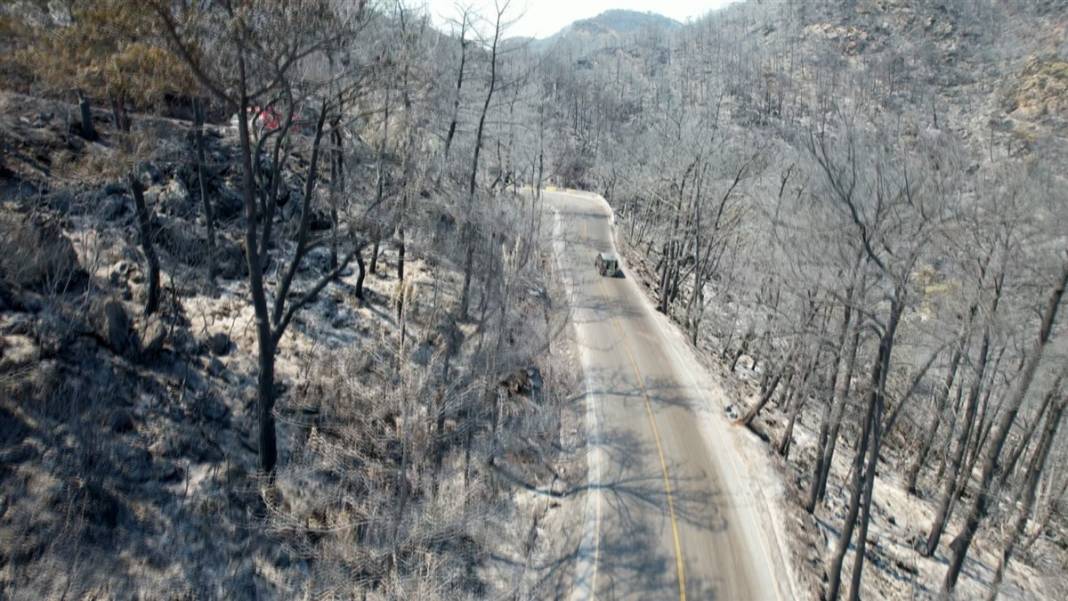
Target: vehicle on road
(608, 265)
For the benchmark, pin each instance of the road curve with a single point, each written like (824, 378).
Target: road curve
(671, 511)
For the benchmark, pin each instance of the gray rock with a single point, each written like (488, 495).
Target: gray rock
(219, 343)
(227, 203)
(99, 507)
(317, 260)
(230, 261)
(114, 207)
(35, 254)
(216, 367)
(211, 408)
(150, 174)
(112, 325)
(120, 422)
(152, 338)
(172, 198)
(178, 238)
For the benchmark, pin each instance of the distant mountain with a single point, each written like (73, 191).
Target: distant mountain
(621, 21)
(609, 24)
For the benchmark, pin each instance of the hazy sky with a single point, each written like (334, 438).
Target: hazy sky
(542, 18)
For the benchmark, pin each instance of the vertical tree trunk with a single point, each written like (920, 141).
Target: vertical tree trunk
(144, 223)
(794, 403)
(829, 407)
(88, 130)
(1025, 439)
(840, 400)
(863, 481)
(981, 503)
(119, 114)
(361, 274)
(380, 177)
(878, 399)
(927, 439)
(835, 569)
(209, 213)
(400, 254)
(469, 239)
(265, 382)
(1027, 494)
(950, 486)
(337, 182)
(456, 98)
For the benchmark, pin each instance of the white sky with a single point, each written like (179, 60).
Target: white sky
(542, 18)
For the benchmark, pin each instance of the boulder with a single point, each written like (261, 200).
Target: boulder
(317, 260)
(180, 240)
(230, 261)
(120, 422)
(153, 336)
(149, 174)
(172, 198)
(36, 255)
(219, 344)
(98, 506)
(112, 326)
(188, 246)
(227, 203)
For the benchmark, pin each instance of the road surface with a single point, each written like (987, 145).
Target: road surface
(670, 511)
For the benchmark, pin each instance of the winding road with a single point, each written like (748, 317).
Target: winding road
(672, 510)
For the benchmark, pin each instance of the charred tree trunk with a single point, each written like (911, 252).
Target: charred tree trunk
(465, 293)
(794, 404)
(337, 182)
(144, 224)
(1026, 494)
(981, 503)
(373, 267)
(1025, 439)
(853, 509)
(843, 384)
(268, 450)
(456, 99)
(88, 130)
(878, 400)
(863, 481)
(118, 111)
(360, 275)
(941, 400)
(747, 419)
(951, 488)
(829, 407)
(916, 380)
(209, 212)
(400, 254)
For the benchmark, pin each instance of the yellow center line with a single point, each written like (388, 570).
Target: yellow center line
(680, 570)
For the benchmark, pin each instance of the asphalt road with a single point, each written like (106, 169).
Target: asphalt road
(669, 514)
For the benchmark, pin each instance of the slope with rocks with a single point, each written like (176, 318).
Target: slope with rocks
(128, 442)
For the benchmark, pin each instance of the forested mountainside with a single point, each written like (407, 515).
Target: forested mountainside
(280, 357)
(278, 318)
(860, 209)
